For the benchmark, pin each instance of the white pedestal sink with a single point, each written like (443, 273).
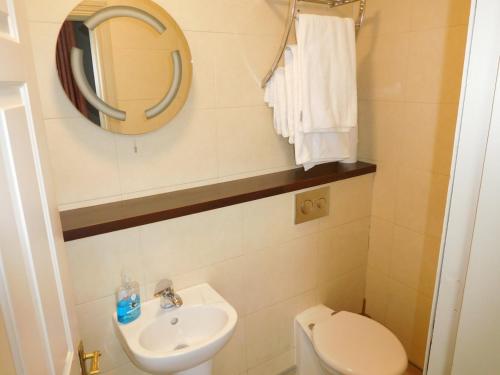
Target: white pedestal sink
(180, 341)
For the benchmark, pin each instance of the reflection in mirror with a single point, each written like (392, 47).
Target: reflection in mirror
(125, 65)
(6, 360)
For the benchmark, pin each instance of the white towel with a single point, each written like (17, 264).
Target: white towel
(327, 59)
(278, 97)
(292, 91)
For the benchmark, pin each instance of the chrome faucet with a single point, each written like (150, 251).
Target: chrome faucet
(168, 298)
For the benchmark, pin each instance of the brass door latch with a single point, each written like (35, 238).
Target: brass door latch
(84, 357)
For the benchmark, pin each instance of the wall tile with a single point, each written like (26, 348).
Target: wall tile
(276, 365)
(270, 331)
(227, 278)
(384, 191)
(74, 144)
(435, 65)
(232, 358)
(407, 257)
(421, 200)
(439, 13)
(381, 245)
(202, 91)
(427, 137)
(382, 66)
(239, 130)
(377, 294)
(241, 63)
(342, 250)
(54, 11)
(346, 292)
(270, 221)
(420, 330)
(350, 200)
(96, 263)
(98, 333)
(400, 316)
(127, 369)
(275, 274)
(381, 127)
(387, 16)
(165, 157)
(181, 245)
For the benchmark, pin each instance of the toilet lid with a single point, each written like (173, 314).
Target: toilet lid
(356, 345)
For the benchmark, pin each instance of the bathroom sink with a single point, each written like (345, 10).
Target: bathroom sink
(182, 340)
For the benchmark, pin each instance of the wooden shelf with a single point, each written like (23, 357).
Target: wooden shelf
(110, 217)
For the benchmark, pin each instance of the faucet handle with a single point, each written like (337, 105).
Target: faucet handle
(164, 286)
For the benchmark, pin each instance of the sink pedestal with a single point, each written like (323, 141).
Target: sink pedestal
(204, 369)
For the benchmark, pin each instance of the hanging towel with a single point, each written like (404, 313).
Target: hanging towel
(327, 73)
(292, 91)
(275, 95)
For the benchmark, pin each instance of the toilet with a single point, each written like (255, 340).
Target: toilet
(344, 343)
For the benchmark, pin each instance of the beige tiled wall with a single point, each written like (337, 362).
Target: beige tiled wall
(268, 268)
(224, 132)
(410, 56)
(253, 254)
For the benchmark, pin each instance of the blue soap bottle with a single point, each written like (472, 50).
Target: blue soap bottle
(128, 300)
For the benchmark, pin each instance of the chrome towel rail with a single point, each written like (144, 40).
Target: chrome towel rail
(292, 14)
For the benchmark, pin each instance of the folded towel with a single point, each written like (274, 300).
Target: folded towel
(327, 73)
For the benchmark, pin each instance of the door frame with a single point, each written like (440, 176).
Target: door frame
(473, 126)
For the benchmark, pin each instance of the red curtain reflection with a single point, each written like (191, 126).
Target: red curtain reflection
(65, 42)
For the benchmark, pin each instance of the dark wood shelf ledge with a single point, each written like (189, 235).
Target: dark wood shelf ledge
(110, 217)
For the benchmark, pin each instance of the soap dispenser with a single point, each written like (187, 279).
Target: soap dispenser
(128, 304)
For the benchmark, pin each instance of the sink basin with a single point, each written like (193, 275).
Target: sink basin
(183, 340)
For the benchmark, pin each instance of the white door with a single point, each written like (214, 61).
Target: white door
(478, 340)
(35, 295)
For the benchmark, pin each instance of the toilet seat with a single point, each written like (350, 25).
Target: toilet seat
(356, 345)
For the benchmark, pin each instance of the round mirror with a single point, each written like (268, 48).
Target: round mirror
(125, 64)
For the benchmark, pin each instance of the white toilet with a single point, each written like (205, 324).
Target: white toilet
(343, 343)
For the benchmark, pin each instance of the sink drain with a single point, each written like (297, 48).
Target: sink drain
(174, 321)
(181, 346)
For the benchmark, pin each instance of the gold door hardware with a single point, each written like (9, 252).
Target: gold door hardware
(84, 357)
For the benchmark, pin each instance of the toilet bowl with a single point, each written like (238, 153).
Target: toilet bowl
(344, 343)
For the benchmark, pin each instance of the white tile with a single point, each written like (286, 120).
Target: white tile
(96, 263)
(270, 221)
(377, 294)
(242, 61)
(381, 245)
(126, 369)
(183, 151)
(98, 333)
(83, 159)
(231, 359)
(401, 312)
(350, 200)
(202, 91)
(346, 292)
(173, 247)
(276, 274)
(227, 278)
(270, 331)
(54, 11)
(246, 142)
(276, 365)
(342, 250)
